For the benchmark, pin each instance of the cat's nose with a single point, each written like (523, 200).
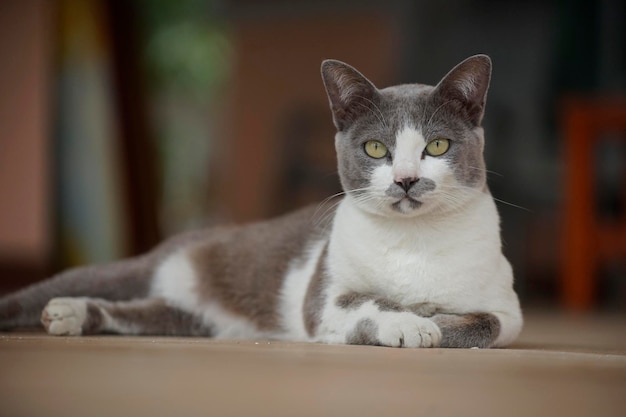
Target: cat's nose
(406, 183)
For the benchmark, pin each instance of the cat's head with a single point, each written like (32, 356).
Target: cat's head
(410, 149)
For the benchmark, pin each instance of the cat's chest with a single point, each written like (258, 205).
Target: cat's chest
(407, 262)
(372, 264)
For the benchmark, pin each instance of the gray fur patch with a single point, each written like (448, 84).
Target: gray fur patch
(364, 333)
(146, 317)
(354, 300)
(385, 304)
(469, 330)
(314, 298)
(424, 309)
(94, 320)
(422, 186)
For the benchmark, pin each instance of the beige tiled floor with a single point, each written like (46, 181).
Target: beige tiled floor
(562, 365)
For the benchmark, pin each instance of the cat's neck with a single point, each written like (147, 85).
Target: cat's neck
(354, 223)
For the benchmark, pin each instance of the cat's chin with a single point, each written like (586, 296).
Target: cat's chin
(403, 208)
(406, 205)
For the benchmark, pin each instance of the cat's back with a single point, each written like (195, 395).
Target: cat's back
(275, 242)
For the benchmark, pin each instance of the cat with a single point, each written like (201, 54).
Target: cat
(408, 256)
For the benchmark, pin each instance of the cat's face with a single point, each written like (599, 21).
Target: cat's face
(410, 149)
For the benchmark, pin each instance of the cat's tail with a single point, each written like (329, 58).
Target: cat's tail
(122, 280)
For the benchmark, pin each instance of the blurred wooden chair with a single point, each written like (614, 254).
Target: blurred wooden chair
(588, 241)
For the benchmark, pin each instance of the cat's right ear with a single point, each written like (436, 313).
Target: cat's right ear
(350, 94)
(467, 84)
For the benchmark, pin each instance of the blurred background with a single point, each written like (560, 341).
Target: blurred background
(123, 122)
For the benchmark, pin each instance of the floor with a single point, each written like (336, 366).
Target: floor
(561, 365)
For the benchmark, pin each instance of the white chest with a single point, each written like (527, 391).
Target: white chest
(412, 261)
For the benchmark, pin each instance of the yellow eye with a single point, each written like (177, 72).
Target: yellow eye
(375, 149)
(437, 147)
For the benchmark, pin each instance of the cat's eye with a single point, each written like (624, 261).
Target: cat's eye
(437, 147)
(375, 149)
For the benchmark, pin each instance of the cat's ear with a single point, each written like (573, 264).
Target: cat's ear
(467, 84)
(350, 94)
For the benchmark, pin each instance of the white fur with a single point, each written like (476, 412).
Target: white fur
(409, 147)
(229, 326)
(176, 280)
(65, 316)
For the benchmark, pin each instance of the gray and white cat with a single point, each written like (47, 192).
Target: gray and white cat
(410, 256)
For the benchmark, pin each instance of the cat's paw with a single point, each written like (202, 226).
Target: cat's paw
(64, 316)
(407, 330)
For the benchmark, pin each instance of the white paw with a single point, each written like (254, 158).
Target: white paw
(407, 330)
(64, 316)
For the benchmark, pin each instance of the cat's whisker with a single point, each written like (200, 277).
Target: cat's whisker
(488, 171)
(451, 201)
(326, 200)
(512, 205)
(328, 212)
(462, 188)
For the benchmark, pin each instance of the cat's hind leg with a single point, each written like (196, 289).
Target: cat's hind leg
(153, 316)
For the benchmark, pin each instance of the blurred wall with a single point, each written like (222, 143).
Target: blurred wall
(25, 197)
(276, 75)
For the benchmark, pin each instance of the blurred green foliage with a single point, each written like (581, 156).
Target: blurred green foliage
(187, 46)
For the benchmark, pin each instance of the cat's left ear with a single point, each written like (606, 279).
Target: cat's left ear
(467, 83)
(350, 94)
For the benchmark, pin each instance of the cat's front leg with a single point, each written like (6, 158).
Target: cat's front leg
(474, 330)
(364, 319)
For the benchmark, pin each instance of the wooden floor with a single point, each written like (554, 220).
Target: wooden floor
(570, 366)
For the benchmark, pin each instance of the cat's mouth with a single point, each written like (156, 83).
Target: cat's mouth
(406, 204)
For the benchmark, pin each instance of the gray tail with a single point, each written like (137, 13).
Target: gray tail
(123, 280)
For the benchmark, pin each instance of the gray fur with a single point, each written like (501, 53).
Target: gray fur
(122, 280)
(467, 331)
(119, 281)
(364, 333)
(354, 300)
(315, 299)
(425, 309)
(153, 317)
